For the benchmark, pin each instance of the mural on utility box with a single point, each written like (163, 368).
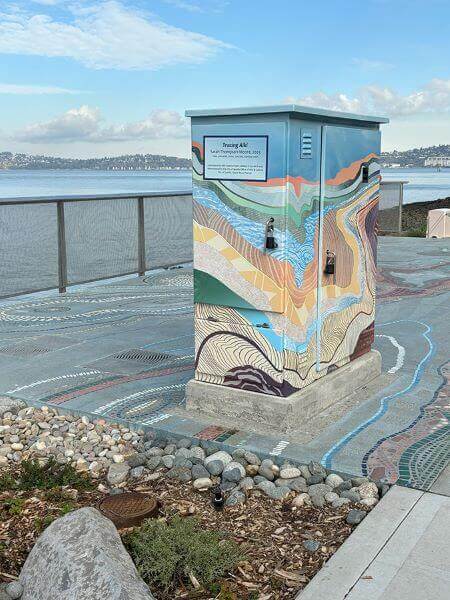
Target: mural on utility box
(273, 321)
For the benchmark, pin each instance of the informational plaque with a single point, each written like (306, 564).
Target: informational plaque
(235, 158)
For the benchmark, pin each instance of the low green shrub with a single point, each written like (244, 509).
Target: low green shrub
(417, 232)
(13, 506)
(166, 554)
(31, 475)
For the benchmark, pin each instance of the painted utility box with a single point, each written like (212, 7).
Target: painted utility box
(285, 211)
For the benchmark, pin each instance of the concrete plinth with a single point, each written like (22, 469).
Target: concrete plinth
(283, 414)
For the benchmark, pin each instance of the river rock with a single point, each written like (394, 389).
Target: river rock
(247, 483)
(252, 459)
(233, 471)
(137, 460)
(215, 467)
(340, 502)
(369, 502)
(357, 481)
(298, 484)
(183, 453)
(227, 486)
(236, 497)
(224, 458)
(315, 479)
(344, 486)
(368, 490)
(289, 473)
(266, 469)
(355, 516)
(319, 489)
(167, 460)
(311, 545)
(333, 480)
(317, 469)
(14, 590)
(199, 472)
(331, 497)
(184, 443)
(180, 473)
(117, 473)
(153, 463)
(197, 453)
(301, 499)
(82, 557)
(351, 495)
(202, 483)
(252, 470)
(306, 473)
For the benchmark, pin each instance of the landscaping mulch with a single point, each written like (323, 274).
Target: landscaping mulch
(271, 534)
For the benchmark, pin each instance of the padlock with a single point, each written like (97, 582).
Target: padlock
(330, 262)
(270, 242)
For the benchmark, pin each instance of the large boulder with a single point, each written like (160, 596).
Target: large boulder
(81, 557)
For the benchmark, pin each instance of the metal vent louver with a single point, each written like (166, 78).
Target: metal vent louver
(306, 144)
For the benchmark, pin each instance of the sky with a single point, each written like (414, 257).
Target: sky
(89, 78)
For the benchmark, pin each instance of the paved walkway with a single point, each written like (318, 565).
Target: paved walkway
(400, 551)
(125, 350)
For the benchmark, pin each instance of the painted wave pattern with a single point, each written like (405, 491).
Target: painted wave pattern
(279, 356)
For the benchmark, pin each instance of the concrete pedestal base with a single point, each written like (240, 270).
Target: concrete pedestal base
(283, 414)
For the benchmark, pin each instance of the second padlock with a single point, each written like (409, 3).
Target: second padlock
(330, 263)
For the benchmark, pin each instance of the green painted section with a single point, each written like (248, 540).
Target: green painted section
(209, 290)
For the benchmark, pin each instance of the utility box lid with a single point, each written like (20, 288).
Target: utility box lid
(293, 110)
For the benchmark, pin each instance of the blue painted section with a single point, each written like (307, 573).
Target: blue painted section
(327, 458)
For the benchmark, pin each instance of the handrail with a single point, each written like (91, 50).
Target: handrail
(59, 202)
(89, 197)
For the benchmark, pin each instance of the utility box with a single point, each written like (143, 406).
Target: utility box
(285, 212)
(438, 223)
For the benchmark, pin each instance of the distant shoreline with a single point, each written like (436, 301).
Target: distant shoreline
(93, 169)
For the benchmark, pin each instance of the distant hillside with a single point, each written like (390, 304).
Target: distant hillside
(413, 158)
(127, 162)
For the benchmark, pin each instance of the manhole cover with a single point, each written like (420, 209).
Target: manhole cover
(37, 346)
(145, 356)
(128, 509)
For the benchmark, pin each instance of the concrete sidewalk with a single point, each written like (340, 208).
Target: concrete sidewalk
(400, 551)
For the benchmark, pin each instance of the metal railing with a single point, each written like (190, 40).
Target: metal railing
(390, 206)
(55, 242)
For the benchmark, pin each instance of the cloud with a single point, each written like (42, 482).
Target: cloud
(215, 6)
(432, 97)
(85, 124)
(105, 36)
(371, 65)
(46, 2)
(8, 88)
(189, 6)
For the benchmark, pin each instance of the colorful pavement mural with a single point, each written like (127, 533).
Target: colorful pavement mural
(273, 321)
(125, 350)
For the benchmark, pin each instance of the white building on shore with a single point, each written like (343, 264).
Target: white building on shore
(437, 161)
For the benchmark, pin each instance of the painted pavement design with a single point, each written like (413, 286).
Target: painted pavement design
(125, 350)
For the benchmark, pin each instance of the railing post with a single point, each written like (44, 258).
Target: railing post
(62, 256)
(141, 237)
(400, 208)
